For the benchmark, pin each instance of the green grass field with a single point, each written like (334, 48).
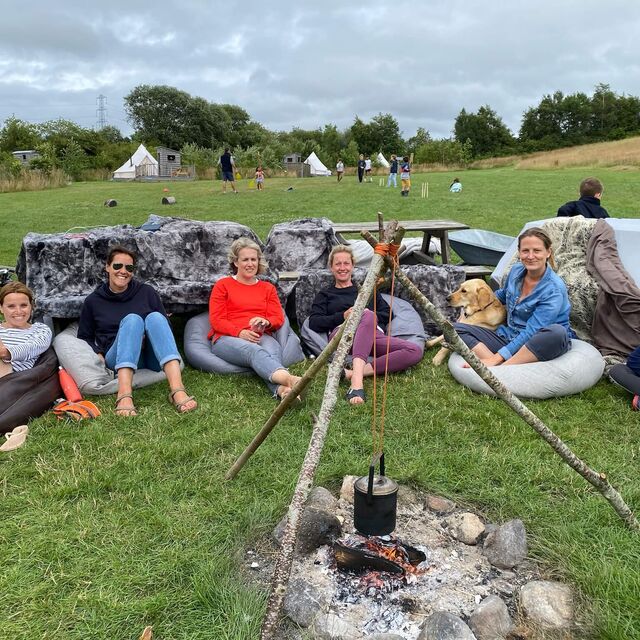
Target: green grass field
(114, 524)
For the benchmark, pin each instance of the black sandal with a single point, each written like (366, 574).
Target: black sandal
(356, 393)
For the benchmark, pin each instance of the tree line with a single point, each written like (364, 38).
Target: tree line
(165, 116)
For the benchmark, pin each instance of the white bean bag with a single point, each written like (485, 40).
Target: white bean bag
(197, 347)
(88, 370)
(405, 324)
(577, 370)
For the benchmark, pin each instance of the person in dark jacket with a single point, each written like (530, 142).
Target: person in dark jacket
(589, 203)
(332, 306)
(125, 323)
(361, 166)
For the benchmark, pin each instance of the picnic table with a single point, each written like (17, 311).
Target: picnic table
(430, 228)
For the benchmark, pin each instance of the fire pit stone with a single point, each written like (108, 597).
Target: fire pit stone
(445, 626)
(304, 602)
(439, 504)
(466, 527)
(491, 619)
(346, 491)
(507, 545)
(317, 527)
(328, 626)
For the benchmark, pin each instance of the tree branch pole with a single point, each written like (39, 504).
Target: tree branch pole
(598, 480)
(312, 458)
(309, 374)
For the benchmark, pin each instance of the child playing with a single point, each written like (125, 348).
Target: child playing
(339, 168)
(455, 186)
(405, 176)
(589, 203)
(259, 178)
(367, 169)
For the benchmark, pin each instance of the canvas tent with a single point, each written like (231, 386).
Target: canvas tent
(317, 168)
(382, 161)
(141, 163)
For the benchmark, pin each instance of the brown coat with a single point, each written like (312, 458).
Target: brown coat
(616, 322)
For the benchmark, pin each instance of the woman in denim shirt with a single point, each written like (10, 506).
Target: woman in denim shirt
(537, 305)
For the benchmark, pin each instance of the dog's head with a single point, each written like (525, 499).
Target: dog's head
(472, 295)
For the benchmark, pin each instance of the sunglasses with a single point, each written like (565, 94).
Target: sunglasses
(116, 266)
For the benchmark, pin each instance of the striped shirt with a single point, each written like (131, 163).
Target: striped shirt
(26, 345)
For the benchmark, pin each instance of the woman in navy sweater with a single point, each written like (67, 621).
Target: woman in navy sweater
(332, 306)
(125, 323)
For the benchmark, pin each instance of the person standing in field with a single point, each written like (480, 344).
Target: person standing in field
(367, 169)
(393, 171)
(339, 169)
(405, 176)
(361, 165)
(259, 178)
(228, 168)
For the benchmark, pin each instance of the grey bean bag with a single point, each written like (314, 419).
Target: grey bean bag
(88, 370)
(197, 347)
(405, 324)
(577, 370)
(28, 394)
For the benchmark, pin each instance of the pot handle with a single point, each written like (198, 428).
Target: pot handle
(378, 457)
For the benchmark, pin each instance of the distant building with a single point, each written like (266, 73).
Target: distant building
(25, 157)
(293, 164)
(169, 162)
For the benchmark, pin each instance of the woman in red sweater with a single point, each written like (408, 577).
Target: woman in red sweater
(244, 312)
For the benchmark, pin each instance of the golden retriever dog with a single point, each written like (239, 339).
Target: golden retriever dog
(478, 305)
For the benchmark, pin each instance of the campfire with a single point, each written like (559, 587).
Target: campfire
(376, 565)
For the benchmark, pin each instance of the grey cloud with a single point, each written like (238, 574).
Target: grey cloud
(305, 65)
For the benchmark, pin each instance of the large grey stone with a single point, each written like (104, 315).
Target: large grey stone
(445, 626)
(547, 604)
(322, 498)
(491, 620)
(317, 527)
(466, 527)
(303, 602)
(328, 626)
(507, 545)
(385, 636)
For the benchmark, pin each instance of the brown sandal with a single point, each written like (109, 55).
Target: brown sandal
(180, 405)
(126, 412)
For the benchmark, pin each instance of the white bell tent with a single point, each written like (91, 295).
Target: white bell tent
(141, 163)
(317, 168)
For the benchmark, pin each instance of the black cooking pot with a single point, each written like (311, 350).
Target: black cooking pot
(375, 500)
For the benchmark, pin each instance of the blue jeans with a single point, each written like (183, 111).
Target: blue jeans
(392, 177)
(264, 357)
(147, 343)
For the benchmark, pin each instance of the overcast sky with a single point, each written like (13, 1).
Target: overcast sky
(307, 64)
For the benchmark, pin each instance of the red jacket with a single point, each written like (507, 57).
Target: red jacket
(232, 304)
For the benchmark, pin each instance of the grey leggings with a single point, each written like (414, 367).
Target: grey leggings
(548, 343)
(265, 357)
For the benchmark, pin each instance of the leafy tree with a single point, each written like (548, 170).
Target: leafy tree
(381, 134)
(350, 154)
(17, 135)
(421, 138)
(74, 160)
(486, 131)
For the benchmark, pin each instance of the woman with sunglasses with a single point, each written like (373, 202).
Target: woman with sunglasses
(125, 323)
